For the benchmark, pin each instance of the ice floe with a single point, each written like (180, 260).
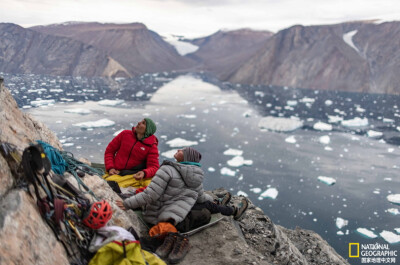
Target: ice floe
(356, 122)
(44, 102)
(239, 161)
(366, 232)
(394, 198)
(340, 222)
(269, 193)
(393, 211)
(291, 140)
(169, 154)
(256, 190)
(110, 102)
(78, 111)
(179, 142)
(227, 172)
(280, 124)
(117, 132)
(327, 180)
(390, 237)
(188, 116)
(211, 169)
(291, 102)
(95, 124)
(321, 126)
(324, 139)
(328, 102)
(233, 152)
(334, 119)
(374, 134)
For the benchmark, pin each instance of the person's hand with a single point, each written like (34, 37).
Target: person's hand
(113, 171)
(139, 175)
(120, 204)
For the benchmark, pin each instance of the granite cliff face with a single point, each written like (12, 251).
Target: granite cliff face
(135, 47)
(27, 239)
(359, 57)
(224, 51)
(27, 51)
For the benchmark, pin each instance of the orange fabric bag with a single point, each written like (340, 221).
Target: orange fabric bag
(162, 229)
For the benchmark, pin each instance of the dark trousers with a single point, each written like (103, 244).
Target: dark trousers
(214, 208)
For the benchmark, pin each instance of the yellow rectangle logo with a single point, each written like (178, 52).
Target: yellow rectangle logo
(357, 255)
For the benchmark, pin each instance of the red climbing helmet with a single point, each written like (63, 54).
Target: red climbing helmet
(98, 215)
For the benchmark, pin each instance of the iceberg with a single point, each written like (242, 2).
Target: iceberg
(233, 152)
(169, 154)
(109, 102)
(95, 124)
(340, 222)
(328, 102)
(291, 140)
(374, 134)
(327, 180)
(255, 190)
(366, 232)
(211, 169)
(390, 237)
(324, 139)
(269, 193)
(179, 142)
(280, 124)
(239, 161)
(78, 111)
(227, 172)
(356, 122)
(44, 102)
(393, 211)
(321, 126)
(334, 119)
(394, 198)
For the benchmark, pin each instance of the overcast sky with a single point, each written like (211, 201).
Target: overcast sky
(193, 18)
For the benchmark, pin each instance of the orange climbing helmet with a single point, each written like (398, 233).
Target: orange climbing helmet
(98, 215)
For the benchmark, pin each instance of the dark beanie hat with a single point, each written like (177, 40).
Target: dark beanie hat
(150, 127)
(191, 155)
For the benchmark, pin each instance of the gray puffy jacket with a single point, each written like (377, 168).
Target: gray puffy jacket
(173, 191)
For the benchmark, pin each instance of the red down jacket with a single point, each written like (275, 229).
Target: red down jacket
(125, 151)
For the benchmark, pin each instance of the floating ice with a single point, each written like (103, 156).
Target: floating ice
(169, 154)
(67, 144)
(397, 230)
(242, 193)
(188, 116)
(95, 124)
(340, 222)
(339, 233)
(374, 134)
(388, 120)
(117, 132)
(394, 198)
(179, 142)
(78, 111)
(290, 140)
(356, 122)
(324, 139)
(359, 109)
(211, 169)
(255, 190)
(280, 124)
(393, 211)
(239, 161)
(334, 119)
(269, 193)
(321, 126)
(139, 94)
(291, 102)
(366, 232)
(390, 237)
(56, 90)
(328, 102)
(327, 180)
(44, 102)
(109, 102)
(227, 172)
(233, 152)
(307, 100)
(247, 114)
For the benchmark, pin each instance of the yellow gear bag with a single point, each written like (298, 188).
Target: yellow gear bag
(128, 181)
(124, 253)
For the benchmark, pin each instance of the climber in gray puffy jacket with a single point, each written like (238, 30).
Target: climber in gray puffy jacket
(175, 188)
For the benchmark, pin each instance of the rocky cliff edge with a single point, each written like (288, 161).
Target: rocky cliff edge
(27, 239)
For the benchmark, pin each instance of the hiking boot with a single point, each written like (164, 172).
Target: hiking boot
(224, 200)
(240, 209)
(166, 247)
(181, 248)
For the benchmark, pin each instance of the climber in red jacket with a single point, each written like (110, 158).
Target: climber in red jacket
(134, 152)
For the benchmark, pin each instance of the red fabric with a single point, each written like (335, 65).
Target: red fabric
(139, 190)
(125, 151)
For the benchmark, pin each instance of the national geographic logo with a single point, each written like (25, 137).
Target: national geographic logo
(373, 253)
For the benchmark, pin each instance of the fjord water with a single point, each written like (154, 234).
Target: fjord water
(214, 117)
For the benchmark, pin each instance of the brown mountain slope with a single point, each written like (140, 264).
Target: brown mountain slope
(135, 47)
(224, 51)
(27, 51)
(318, 57)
